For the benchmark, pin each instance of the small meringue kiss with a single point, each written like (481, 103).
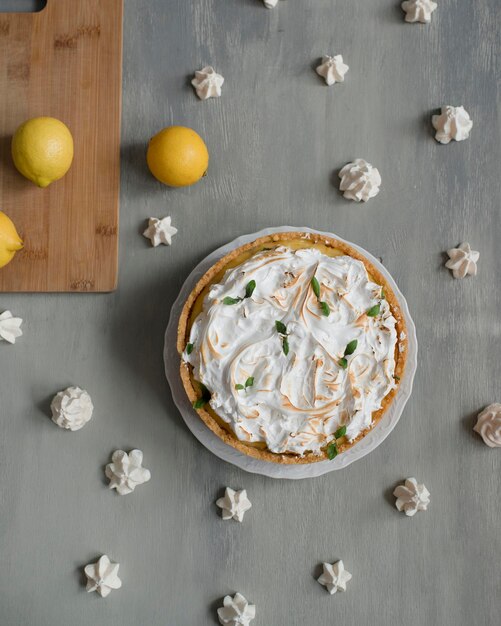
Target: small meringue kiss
(411, 497)
(462, 261)
(334, 577)
(207, 83)
(332, 69)
(418, 10)
(270, 4)
(236, 611)
(102, 576)
(234, 504)
(488, 425)
(360, 181)
(452, 123)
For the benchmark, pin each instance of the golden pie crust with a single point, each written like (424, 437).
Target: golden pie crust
(193, 305)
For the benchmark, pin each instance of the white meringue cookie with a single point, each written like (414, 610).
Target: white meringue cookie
(332, 69)
(207, 83)
(488, 425)
(360, 181)
(411, 497)
(10, 327)
(462, 261)
(418, 10)
(126, 471)
(71, 408)
(102, 576)
(334, 577)
(234, 504)
(160, 231)
(236, 611)
(270, 4)
(452, 123)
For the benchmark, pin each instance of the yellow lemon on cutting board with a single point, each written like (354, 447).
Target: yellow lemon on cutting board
(42, 150)
(10, 241)
(177, 156)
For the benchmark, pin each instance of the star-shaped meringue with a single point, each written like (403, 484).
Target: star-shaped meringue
(334, 577)
(411, 497)
(160, 231)
(126, 471)
(236, 611)
(452, 123)
(418, 10)
(102, 576)
(270, 4)
(332, 69)
(360, 180)
(234, 504)
(10, 327)
(207, 83)
(462, 261)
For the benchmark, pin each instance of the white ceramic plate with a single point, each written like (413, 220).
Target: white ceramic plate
(276, 470)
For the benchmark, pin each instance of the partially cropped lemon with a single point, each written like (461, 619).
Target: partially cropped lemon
(10, 241)
(42, 150)
(177, 156)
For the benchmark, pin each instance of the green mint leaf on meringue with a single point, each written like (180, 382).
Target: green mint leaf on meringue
(228, 300)
(383, 295)
(325, 309)
(249, 382)
(249, 290)
(239, 387)
(285, 346)
(206, 395)
(374, 310)
(315, 285)
(189, 348)
(351, 347)
(340, 432)
(343, 363)
(332, 451)
(396, 377)
(281, 327)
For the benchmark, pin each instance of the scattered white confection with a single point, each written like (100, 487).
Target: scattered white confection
(359, 180)
(334, 577)
(126, 471)
(207, 83)
(160, 231)
(236, 611)
(332, 69)
(462, 261)
(488, 425)
(411, 497)
(71, 408)
(418, 10)
(234, 504)
(10, 327)
(102, 576)
(452, 123)
(270, 4)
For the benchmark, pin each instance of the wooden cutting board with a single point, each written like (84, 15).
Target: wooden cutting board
(64, 62)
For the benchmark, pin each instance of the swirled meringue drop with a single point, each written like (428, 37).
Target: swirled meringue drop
(360, 181)
(71, 408)
(298, 400)
(488, 425)
(452, 123)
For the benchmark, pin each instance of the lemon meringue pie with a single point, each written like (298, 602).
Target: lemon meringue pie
(291, 347)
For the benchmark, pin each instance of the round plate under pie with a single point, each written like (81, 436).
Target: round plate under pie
(306, 347)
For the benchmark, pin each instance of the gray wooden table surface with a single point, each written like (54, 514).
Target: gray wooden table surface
(277, 137)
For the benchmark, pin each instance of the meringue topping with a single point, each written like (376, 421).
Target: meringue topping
(10, 327)
(236, 611)
(332, 69)
(207, 83)
(359, 181)
(126, 471)
(452, 123)
(270, 4)
(102, 576)
(234, 504)
(334, 577)
(462, 261)
(411, 497)
(160, 231)
(418, 10)
(488, 425)
(301, 396)
(71, 408)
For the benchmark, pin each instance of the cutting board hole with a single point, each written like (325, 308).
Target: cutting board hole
(22, 6)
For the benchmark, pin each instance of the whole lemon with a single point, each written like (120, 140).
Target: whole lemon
(177, 156)
(10, 242)
(42, 150)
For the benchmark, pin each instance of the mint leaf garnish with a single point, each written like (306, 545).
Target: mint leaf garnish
(249, 382)
(343, 363)
(249, 290)
(239, 387)
(351, 347)
(315, 285)
(189, 349)
(206, 395)
(374, 310)
(340, 432)
(383, 295)
(281, 327)
(325, 309)
(285, 346)
(228, 300)
(332, 451)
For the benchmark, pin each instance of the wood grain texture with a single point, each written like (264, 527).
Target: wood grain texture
(66, 62)
(276, 138)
